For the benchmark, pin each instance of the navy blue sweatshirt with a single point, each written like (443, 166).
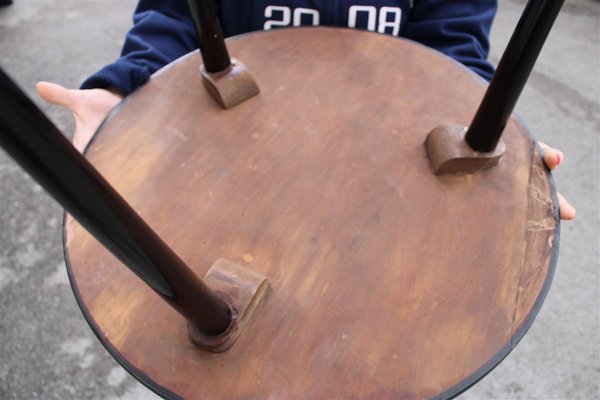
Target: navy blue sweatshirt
(164, 31)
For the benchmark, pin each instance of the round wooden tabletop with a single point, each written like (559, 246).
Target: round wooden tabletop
(386, 280)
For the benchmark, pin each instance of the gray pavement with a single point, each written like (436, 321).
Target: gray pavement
(48, 352)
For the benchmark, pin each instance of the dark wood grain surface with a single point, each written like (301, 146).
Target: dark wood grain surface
(386, 281)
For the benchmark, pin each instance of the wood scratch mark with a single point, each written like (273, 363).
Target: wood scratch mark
(177, 133)
(536, 226)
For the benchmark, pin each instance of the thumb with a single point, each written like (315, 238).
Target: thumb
(55, 94)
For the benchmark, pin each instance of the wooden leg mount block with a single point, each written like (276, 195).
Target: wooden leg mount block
(449, 152)
(243, 290)
(231, 86)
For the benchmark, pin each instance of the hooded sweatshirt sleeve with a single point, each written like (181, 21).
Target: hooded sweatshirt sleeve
(162, 32)
(457, 28)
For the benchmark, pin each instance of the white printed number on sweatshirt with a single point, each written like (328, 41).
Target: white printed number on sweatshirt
(384, 20)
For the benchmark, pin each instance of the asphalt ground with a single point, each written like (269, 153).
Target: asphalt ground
(47, 351)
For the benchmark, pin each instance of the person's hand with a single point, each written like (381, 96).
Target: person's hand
(553, 158)
(89, 107)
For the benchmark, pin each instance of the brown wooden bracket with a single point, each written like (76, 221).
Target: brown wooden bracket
(243, 290)
(449, 152)
(453, 148)
(230, 86)
(226, 79)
